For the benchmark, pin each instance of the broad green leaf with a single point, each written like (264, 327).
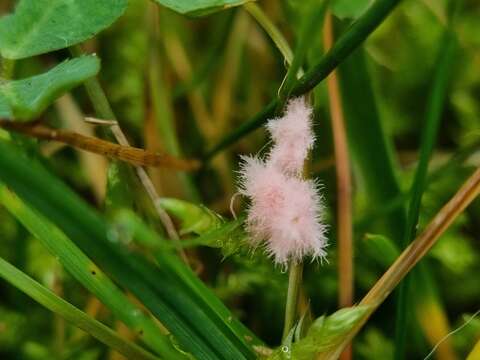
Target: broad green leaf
(324, 334)
(348, 9)
(193, 218)
(72, 314)
(40, 26)
(26, 98)
(200, 7)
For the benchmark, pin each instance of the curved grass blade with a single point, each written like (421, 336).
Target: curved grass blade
(87, 273)
(188, 320)
(40, 26)
(26, 98)
(345, 45)
(343, 48)
(70, 313)
(184, 275)
(370, 148)
(314, 16)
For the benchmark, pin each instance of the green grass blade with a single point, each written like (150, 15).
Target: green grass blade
(85, 271)
(181, 274)
(441, 80)
(345, 45)
(187, 321)
(70, 313)
(273, 32)
(371, 150)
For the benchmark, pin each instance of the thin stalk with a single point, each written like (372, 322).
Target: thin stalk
(95, 92)
(432, 122)
(413, 254)
(294, 285)
(70, 313)
(104, 111)
(125, 152)
(344, 46)
(272, 31)
(344, 185)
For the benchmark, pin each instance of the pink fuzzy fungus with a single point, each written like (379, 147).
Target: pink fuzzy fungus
(293, 137)
(285, 214)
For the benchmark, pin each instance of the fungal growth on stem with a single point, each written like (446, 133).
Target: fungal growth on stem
(286, 211)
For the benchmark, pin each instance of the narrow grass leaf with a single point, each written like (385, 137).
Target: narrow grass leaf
(87, 273)
(435, 105)
(343, 48)
(70, 313)
(346, 9)
(371, 149)
(181, 274)
(188, 321)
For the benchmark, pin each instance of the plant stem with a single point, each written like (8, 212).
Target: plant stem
(104, 111)
(272, 31)
(294, 284)
(344, 186)
(413, 254)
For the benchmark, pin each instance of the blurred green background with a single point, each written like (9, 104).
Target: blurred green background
(179, 84)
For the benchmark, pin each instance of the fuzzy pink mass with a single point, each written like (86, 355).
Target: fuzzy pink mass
(285, 214)
(293, 137)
